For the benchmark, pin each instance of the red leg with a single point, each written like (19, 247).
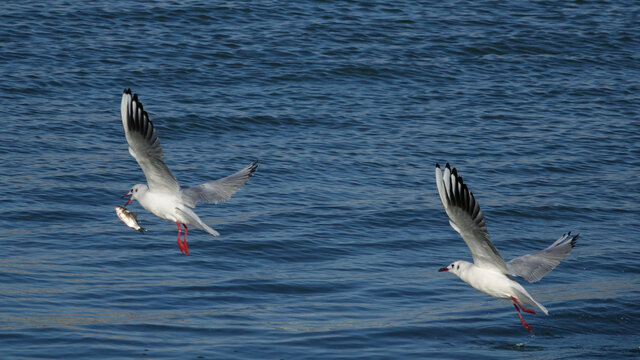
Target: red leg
(186, 248)
(524, 323)
(530, 311)
(179, 243)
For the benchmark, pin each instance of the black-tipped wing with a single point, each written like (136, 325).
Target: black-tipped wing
(467, 219)
(218, 190)
(532, 267)
(144, 145)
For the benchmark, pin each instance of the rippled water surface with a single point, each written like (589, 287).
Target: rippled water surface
(332, 249)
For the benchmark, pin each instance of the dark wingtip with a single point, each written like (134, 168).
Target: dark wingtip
(137, 101)
(253, 167)
(142, 230)
(127, 91)
(574, 240)
(437, 166)
(447, 166)
(454, 172)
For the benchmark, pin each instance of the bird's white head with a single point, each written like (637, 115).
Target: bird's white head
(136, 191)
(456, 267)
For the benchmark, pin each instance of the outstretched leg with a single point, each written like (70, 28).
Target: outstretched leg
(515, 302)
(186, 248)
(179, 243)
(524, 323)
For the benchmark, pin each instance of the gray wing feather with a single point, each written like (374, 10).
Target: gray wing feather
(144, 145)
(218, 190)
(467, 219)
(532, 267)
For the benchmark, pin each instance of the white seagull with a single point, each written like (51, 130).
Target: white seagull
(488, 272)
(163, 196)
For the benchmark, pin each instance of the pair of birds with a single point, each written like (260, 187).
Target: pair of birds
(163, 197)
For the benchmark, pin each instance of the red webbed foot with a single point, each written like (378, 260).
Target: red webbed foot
(524, 323)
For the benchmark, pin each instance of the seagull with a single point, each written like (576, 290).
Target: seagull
(162, 195)
(489, 273)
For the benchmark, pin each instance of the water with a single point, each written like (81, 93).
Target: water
(332, 249)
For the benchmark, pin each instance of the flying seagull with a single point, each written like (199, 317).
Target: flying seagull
(488, 272)
(162, 195)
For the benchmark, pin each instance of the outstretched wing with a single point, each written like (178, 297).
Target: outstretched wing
(218, 190)
(144, 145)
(532, 267)
(467, 219)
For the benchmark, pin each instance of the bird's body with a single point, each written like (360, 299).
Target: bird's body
(494, 283)
(162, 195)
(170, 207)
(489, 273)
(162, 205)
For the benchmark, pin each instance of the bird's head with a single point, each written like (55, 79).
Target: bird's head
(135, 192)
(455, 267)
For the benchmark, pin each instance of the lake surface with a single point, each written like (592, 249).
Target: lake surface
(332, 249)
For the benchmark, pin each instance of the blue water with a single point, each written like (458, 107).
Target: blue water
(331, 250)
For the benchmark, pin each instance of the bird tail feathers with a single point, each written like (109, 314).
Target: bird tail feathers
(195, 221)
(524, 297)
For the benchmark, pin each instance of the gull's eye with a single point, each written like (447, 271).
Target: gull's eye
(131, 189)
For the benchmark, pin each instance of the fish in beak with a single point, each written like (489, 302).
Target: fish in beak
(443, 269)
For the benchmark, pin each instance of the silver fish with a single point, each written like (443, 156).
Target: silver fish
(129, 218)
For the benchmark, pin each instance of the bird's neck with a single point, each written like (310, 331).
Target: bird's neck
(143, 197)
(465, 270)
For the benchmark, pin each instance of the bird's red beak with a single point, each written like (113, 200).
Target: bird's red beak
(443, 269)
(124, 196)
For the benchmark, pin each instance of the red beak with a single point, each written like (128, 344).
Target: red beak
(443, 269)
(124, 196)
